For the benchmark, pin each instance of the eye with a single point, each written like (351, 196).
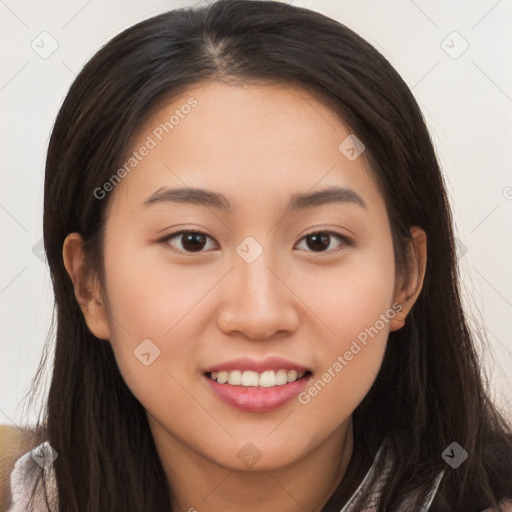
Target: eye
(191, 241)
(195, 241)
(321, 240)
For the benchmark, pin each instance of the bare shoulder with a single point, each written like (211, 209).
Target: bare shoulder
(505, 506)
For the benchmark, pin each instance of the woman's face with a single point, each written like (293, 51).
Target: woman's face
(258, 278)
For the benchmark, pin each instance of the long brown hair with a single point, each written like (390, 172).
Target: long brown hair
(429, 391)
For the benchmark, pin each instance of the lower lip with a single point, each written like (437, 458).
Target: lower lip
(256, 399)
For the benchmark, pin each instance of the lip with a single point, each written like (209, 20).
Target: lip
(256, 399)
(246, 363)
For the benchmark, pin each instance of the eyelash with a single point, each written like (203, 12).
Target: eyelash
(346, 242)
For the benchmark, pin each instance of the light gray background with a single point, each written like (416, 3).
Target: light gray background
(466, 98)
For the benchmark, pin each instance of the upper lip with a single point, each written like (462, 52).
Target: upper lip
(257, 365)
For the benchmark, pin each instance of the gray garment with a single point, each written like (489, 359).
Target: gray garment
(371, 481)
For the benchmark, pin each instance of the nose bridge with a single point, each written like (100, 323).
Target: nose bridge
(256, 280)
(257, 302)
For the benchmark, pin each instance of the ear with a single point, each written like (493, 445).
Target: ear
(408, 289)
(87, 289)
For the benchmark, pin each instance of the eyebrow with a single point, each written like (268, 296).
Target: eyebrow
(202, 197)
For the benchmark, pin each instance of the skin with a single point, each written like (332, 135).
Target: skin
(257, 145)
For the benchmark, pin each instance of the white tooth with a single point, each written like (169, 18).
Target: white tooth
(281, 377)
(292, 376)
(267, 379)
(235, 378)
(222, 377)
(249, 378)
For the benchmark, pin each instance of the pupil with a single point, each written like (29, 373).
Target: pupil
(193, 241)
(323, 238)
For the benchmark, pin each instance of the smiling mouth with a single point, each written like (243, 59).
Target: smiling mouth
(266, 379)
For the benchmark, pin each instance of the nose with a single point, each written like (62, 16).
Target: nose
(258, 301)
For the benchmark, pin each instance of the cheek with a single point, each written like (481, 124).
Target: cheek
(149, 300)
(359, 318)
(356, 305)
(352, 297)
(349, 360)
(149, 295)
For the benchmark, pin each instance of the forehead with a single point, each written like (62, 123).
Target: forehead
(256, 143)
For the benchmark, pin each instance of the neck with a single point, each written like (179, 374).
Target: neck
(199, 484)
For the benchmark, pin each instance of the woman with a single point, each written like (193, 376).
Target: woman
(253, 263)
